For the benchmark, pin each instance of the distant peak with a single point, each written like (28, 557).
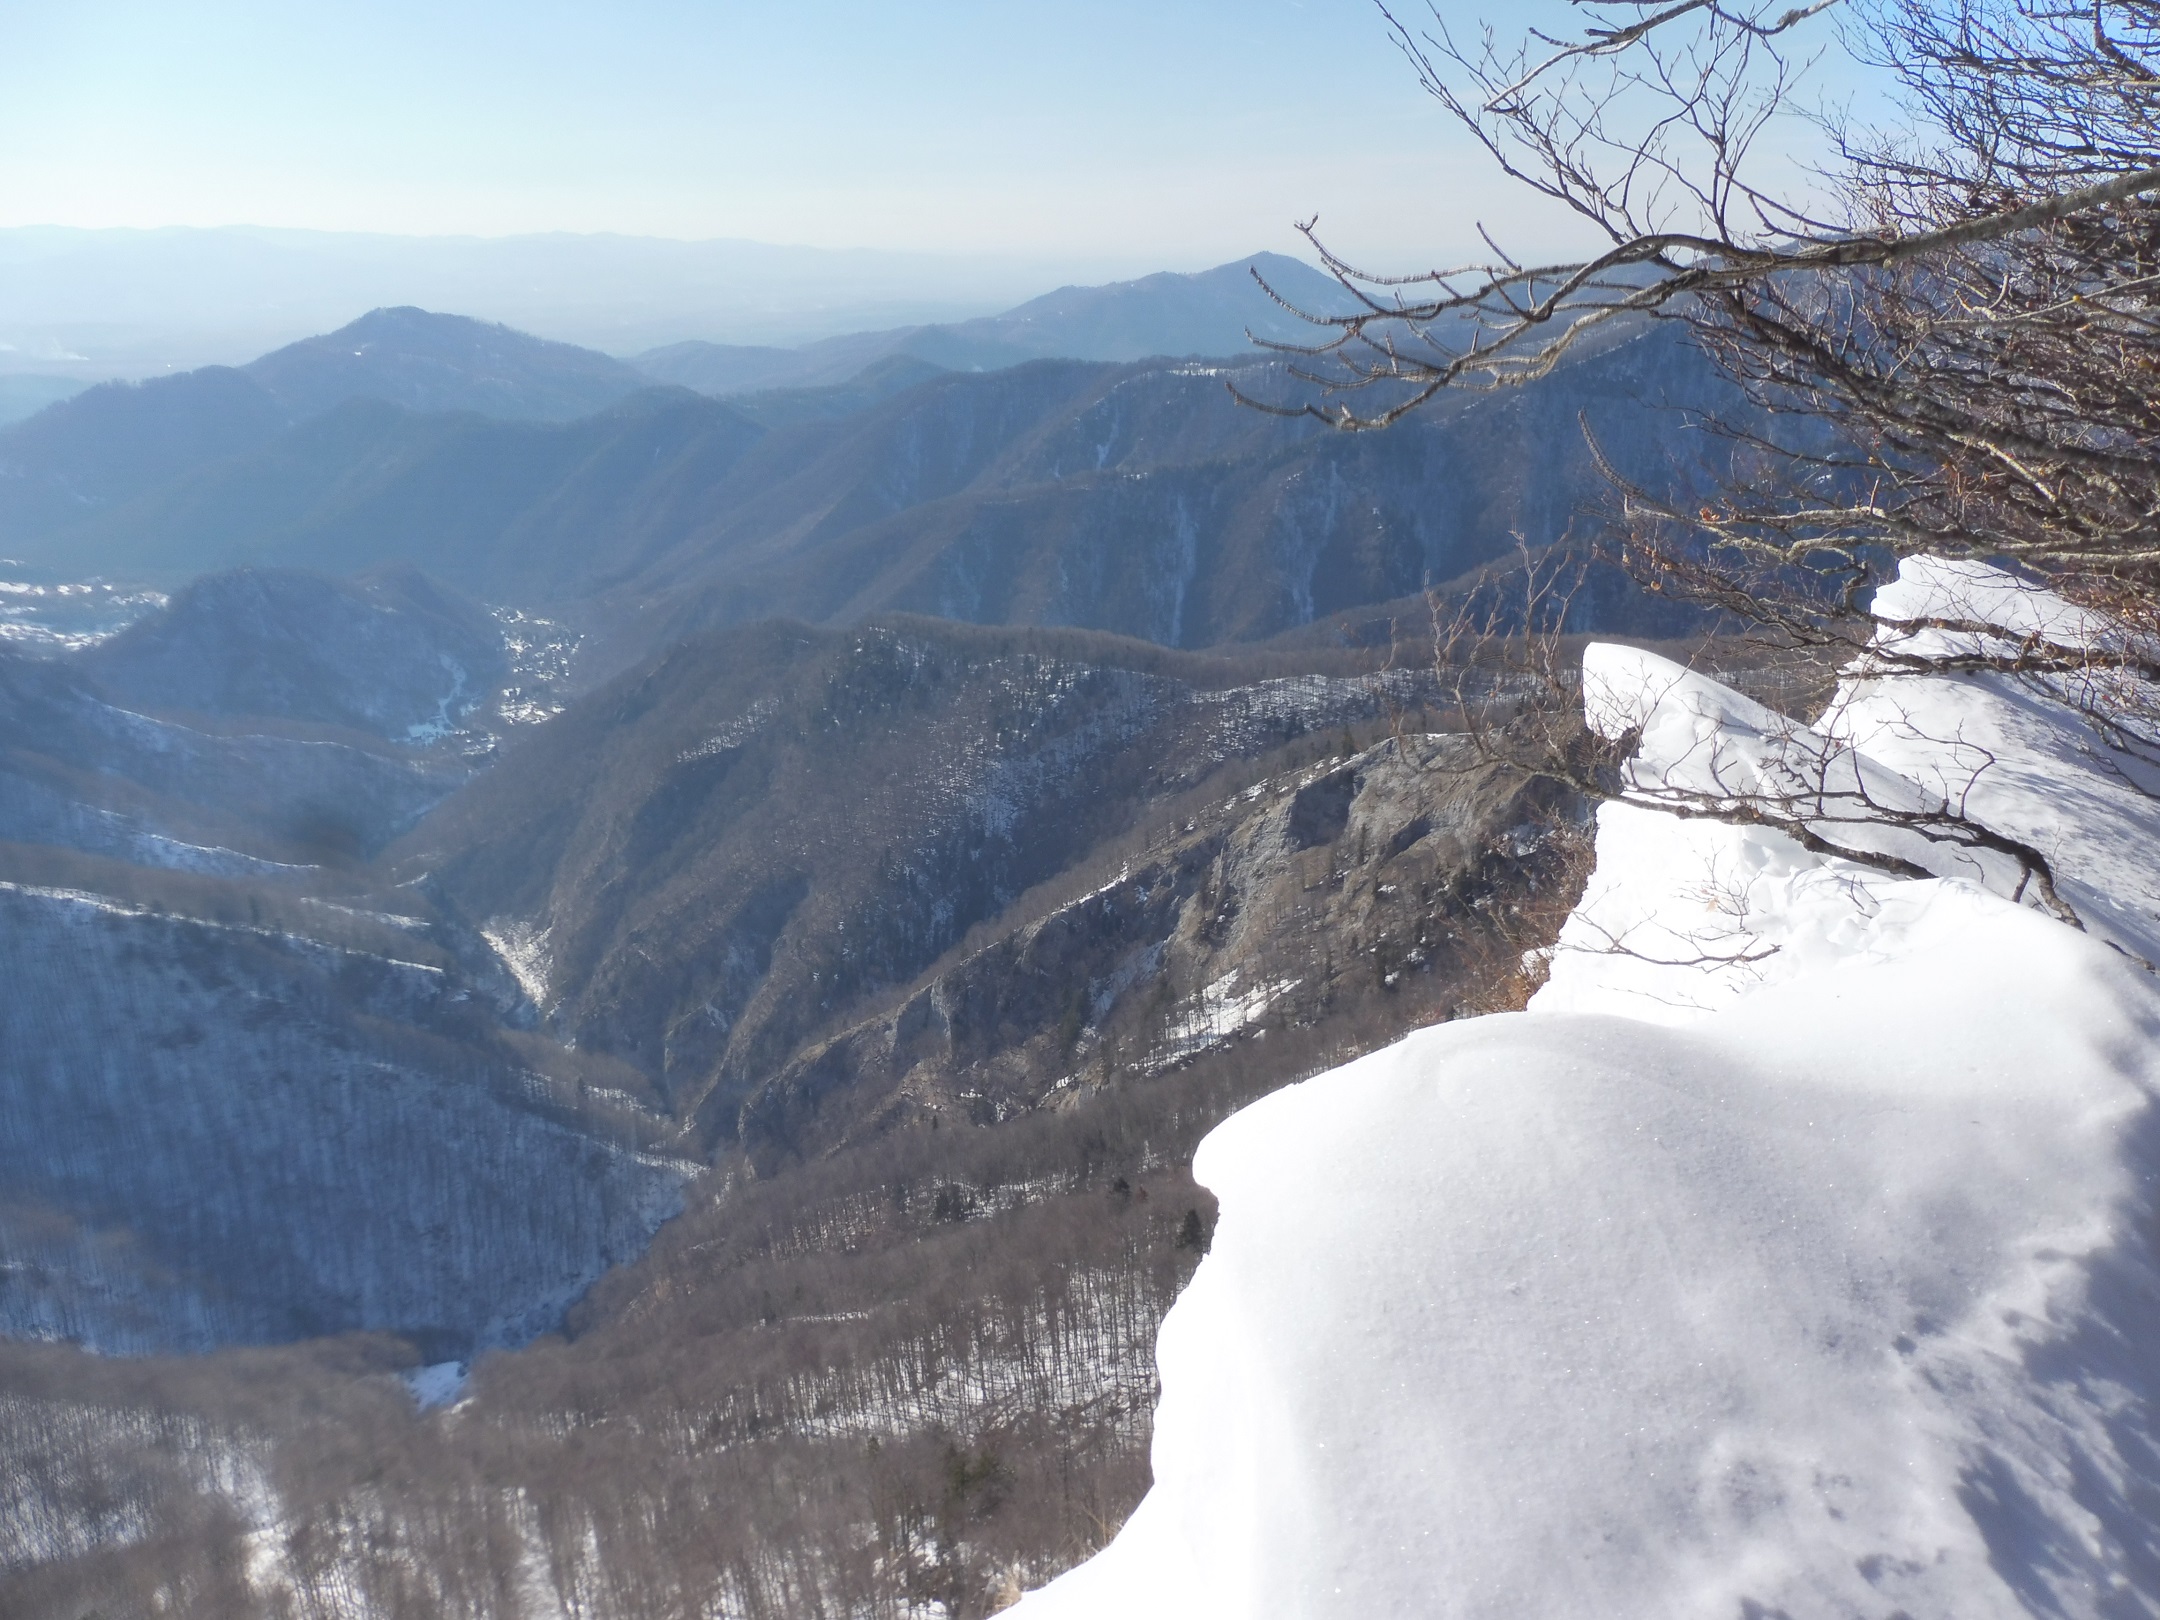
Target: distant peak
(409, 318)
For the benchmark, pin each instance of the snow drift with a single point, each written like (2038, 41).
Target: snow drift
(1794, 1255)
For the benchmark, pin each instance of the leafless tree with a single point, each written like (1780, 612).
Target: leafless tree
(1956, 297)
(1945, 324)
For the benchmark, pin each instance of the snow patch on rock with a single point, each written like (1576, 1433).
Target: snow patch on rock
(523, 949)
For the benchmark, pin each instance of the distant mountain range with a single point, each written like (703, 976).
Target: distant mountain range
(1134, 497)
(102, 447)
(1217, 312)
(94, 304)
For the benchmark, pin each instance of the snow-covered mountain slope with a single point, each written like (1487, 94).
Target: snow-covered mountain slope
(220, 1132)
(1793, 1255)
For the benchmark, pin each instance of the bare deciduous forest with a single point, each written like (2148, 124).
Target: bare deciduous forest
(915, 1370)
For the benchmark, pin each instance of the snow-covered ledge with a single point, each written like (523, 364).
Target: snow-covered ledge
(1793, 1255)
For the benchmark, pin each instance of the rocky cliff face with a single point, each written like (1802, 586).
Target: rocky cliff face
(718, 854)
(715, 868)
(1355, 892)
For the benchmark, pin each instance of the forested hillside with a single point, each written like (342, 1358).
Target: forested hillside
(1137, 499)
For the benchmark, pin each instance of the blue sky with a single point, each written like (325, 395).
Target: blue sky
(1137, 133)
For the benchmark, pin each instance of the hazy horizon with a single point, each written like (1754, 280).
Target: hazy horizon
(1186, 132)
(246, 174)
(128, 302)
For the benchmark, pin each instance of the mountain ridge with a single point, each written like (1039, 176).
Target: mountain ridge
(1205, 313)
(1135, 498)
(106, 445)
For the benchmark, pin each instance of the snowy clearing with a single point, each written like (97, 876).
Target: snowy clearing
(439, 1383)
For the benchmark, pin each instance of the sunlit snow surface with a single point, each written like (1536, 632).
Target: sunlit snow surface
(1793, 1255)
